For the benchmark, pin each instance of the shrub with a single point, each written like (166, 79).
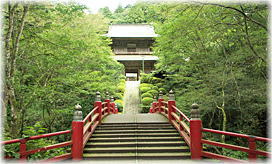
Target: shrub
(159, 85)
(121, 88)
(155, 80)
(155, 88)
(146, 85)
(146, 78)
(118, 95)
(153, 92)
(120, 105)
(145, 89)
(147, 101)
(147, 95)
(145, 109)
(163, 90)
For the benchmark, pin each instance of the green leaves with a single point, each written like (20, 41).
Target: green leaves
(207, 57)
(63, 61)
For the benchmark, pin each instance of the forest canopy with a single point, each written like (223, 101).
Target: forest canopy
(213, 54)
(55, 58)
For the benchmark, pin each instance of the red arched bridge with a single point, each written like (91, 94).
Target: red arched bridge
(180, 136)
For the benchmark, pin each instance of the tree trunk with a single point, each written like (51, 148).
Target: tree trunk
(12, 43)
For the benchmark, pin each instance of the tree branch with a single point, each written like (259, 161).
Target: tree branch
(237, 10)
(248, 40)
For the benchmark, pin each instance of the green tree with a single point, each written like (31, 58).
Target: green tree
(61, 61)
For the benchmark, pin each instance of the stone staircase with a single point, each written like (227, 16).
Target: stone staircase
(153, 140)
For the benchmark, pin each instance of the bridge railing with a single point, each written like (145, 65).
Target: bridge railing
(191, 130)
(24, 153)
(82, 129)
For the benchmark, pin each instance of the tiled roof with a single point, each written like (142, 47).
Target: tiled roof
(131, 30)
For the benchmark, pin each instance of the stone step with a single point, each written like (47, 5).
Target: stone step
(136, 135)
(139, 139)
(136, 141)
(172, 155)
(139, 144)
(135, 125)
(132, 149)
(133, 128)
(97, 131)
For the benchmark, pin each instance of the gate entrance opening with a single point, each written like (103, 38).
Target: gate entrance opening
(132, 76)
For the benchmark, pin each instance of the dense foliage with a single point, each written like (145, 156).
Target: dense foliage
(219, 62)
(149, 90)
(212, 54)
(56, 57)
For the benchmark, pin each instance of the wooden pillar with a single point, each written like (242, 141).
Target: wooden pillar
(23, 149)
(98, 104)
(252, 146)
(112, 105)
(153, 105)
(107, 102)
(160, 101)
(77, 134)
(116, 108)
(195, 133)
(171, 103)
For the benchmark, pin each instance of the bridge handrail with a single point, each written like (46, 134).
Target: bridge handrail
(193, 134)
(81, 131)
(181, 113)
(251, 150)
(104, 109)
(90, 114)
(237, 135)
(35, 137)
(235, 147)
(62, 144)
(165, 102)
(170, 111)
(23, 142)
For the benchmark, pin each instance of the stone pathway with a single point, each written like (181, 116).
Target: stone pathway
(131, 98)
(135, 118)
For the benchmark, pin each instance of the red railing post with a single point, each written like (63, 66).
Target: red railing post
(112, 105)
(23, 149)
(171, 103)
(252, 146)
(160, 101)
(153, 105)
(157, 107)
(116, 108)
(77, 134)
(98, 104)
(195, 133)
(107, 102)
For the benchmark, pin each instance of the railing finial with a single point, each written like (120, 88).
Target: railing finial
(171, 95)
(195, 112)
(112, 99)
(154, 99)
(98, 96)
(107, 95)
(78, 113)
(160, 95)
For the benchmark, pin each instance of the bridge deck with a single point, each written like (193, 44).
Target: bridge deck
(134, 118)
